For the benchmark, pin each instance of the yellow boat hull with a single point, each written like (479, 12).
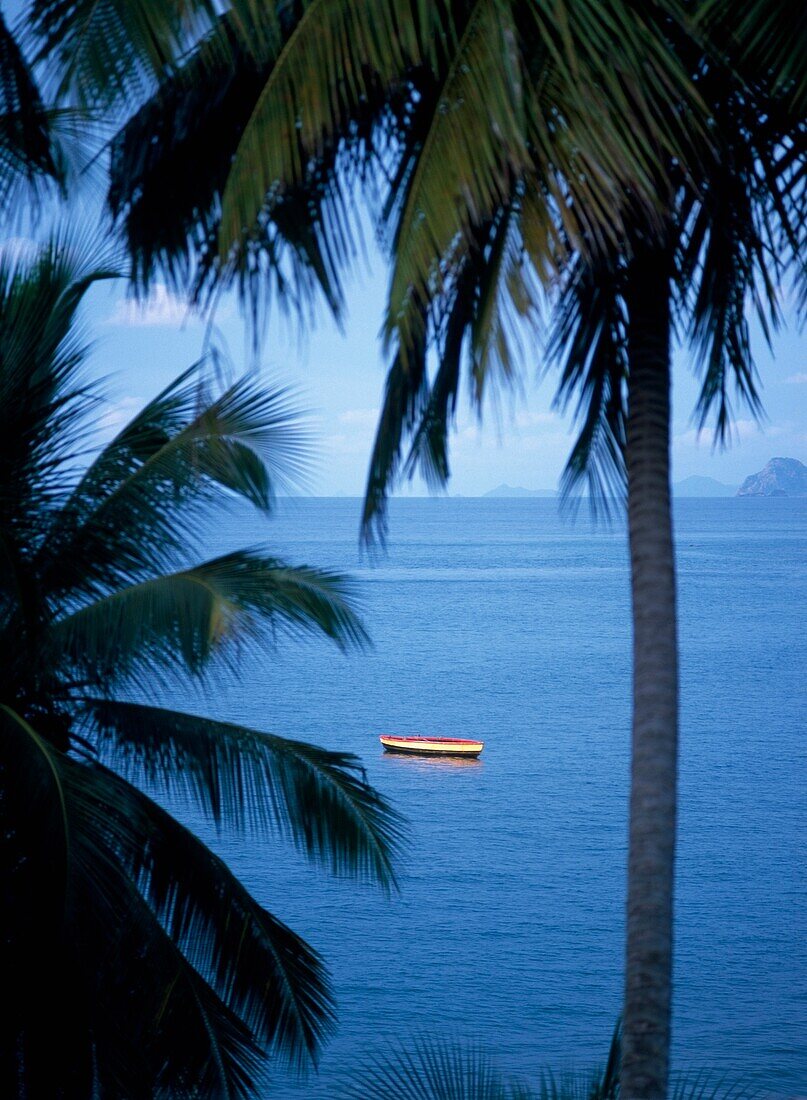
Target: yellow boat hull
(432, 746)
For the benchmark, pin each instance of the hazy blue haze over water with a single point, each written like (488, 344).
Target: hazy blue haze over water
(499, 620)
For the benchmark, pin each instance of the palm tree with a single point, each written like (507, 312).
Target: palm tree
(518, 146)
(135, 963)
(723, 223)
(725, 243)
(513, 139)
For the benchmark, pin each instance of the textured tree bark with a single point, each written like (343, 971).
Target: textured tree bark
(654, 748)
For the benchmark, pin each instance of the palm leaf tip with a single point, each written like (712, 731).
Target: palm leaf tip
(356, 831)
(261, 782)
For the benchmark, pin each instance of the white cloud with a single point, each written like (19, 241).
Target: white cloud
(159, 309)
(345, 445)
(740, 432)
(798, 379)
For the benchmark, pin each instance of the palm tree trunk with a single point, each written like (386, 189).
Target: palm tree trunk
(648, 962)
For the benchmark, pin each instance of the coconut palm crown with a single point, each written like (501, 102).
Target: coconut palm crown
(240, 168)
(135, 963)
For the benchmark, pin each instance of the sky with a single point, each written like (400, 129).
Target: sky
(339, 377)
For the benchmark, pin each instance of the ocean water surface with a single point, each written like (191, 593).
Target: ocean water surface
(500, 620)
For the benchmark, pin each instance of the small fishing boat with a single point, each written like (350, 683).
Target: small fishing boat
(432, 746)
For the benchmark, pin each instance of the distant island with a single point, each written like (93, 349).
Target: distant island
(519, 491)
(782, 477)
(690, 487)
(698, 486)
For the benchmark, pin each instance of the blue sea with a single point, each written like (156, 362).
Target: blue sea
(501, 620)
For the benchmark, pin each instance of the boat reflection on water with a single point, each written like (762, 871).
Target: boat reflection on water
(430, 763)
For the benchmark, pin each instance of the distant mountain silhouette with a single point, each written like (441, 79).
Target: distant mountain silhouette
(782, 477)
(519, 491)
(698, 486)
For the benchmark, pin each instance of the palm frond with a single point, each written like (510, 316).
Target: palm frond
(739, 235)
(26, 142)
(422, 1069)
(703, 1085)
(605, 1085)
(252, 780)
(171, 160)
(157, 1024)
(178, 977)
(107, 52)
(768, 39)
(265, 974)
(506, 297)
(186, 447)
(182, 620)
(332, 57)
(481, 318)
(43, 402)
(601, 117)
(474, 147)
(37, 868)
(591, 94)
(406, 396)
(428, 451)
(492, 298)
(30, 772)
(589, 340)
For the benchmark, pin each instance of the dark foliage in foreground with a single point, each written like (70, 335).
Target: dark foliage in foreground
(424, 1069)
(134, 962)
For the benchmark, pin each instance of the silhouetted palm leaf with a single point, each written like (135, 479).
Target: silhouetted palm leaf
(27, 151)
(167, 192)
(264, 972)
(214, 610)
(257, 154)
(332, 56)
(589, 338)
(121, 1011)
(188, 446)
(710, 1086)
(740, 234)
(767, 39)
(253, 780)
(111, 50)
